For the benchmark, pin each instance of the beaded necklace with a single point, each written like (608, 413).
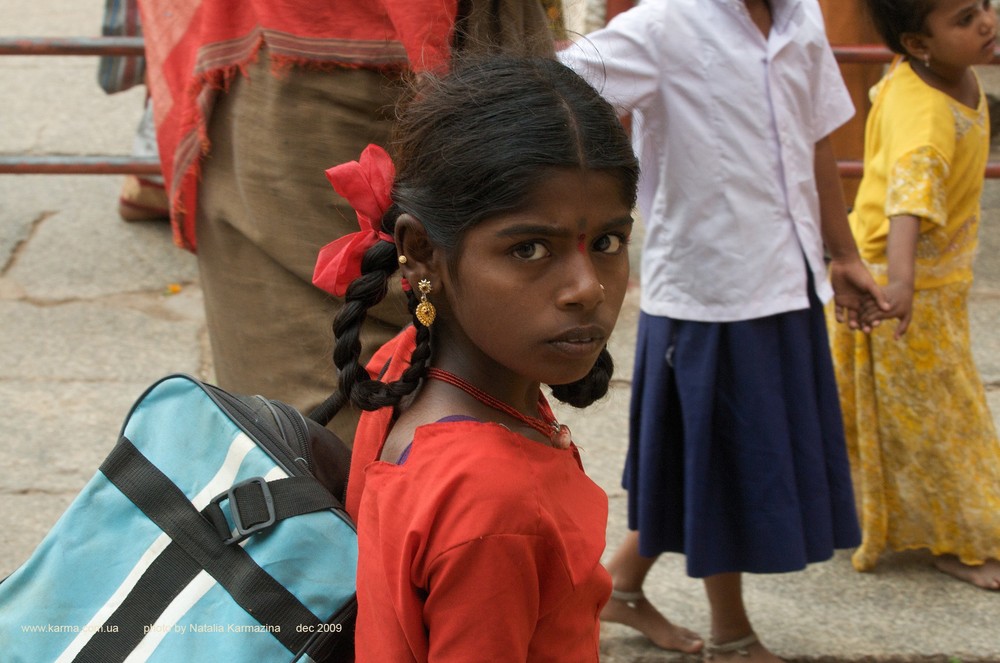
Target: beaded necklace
(557, 434)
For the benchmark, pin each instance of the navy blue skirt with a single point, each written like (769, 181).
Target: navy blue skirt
(736, 445)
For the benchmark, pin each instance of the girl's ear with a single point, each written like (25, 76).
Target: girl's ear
(915, 45)
(413, 243)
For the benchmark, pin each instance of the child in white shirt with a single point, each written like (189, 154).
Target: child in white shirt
(736, 456)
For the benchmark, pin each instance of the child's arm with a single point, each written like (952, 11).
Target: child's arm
(852, 284)
(624, 59)
(901, 252)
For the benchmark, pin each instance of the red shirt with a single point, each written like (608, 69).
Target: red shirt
(484, 546)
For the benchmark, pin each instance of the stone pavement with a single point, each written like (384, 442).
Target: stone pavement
(88, 320)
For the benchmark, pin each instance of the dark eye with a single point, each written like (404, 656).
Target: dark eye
(610, 244)
(530, 251)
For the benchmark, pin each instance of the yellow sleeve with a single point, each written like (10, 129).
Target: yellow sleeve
(919, 145)
(916, 186)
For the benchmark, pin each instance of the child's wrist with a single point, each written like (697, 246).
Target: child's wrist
(844, 255)
(901, 281)
(901, 274)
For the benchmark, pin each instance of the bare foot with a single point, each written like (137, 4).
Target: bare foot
(634, 610)
(985, 575)
(753, 652)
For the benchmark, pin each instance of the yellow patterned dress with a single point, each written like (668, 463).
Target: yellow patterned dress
(923, 448)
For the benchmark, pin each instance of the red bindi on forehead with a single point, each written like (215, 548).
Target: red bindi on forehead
(581, 244)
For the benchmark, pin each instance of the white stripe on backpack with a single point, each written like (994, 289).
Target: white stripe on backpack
(223, 479)
(184, 601)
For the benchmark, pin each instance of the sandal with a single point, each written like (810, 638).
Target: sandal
(741, 646)
(143, 200)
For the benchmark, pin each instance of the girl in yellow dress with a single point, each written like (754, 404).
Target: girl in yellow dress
(923, 448)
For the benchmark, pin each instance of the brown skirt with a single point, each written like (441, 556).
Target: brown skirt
(266, 208)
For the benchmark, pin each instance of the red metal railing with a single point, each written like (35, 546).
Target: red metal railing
(56, 164)
(71, 46)
(65, 164)
(869, 53)
(111, 165)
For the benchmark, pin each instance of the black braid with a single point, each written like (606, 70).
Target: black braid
(363, 293)
(377, 266)
(373, 394)
(354, 383)
(591, 387)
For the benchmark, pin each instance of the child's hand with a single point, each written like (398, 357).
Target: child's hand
(871, 314)
(900, 297)
(853, 286)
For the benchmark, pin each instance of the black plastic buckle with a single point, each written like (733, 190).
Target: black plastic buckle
(242, 531)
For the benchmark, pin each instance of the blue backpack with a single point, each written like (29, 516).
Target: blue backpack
(214, 531)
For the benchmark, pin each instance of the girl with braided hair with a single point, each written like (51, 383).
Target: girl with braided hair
(508, 216)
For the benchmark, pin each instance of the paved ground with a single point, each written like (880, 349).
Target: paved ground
(87, 321)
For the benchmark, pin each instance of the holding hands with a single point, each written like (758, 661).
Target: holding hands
(899, 295)
(901, 248)
(857, 299)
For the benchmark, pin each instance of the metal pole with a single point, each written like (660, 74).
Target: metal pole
(78, 165)
(111, 165)
(855, 169)
(871, 53)
(862, 54)
(71, 46)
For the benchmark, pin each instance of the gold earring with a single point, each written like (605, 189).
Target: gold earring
(927, 60)
(402, 260)
(425, 310)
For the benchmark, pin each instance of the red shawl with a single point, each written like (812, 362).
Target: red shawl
(194, 48)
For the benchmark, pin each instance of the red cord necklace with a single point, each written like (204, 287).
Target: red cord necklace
(557, 434)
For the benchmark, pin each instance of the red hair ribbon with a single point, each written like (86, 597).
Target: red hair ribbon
(367, 185)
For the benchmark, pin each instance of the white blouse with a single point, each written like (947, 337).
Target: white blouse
(725, 124)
